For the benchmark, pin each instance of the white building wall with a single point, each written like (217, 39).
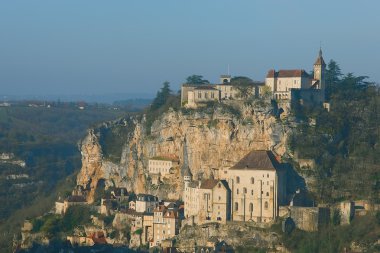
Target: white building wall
(254, 194)
(160, 166)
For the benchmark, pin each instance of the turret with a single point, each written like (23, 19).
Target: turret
(187, 176)
(225, 78)
(320, 70)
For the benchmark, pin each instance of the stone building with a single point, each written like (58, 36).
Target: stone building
(146, 203)
(61, 207)
(193, 95)
(208, 200)
(258, 187)
(161, 166)
(166, 224)
(283, 83)
(309, 218)
(120, 194)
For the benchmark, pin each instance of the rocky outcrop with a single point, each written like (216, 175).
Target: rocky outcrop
(205, 141)
(235, 234)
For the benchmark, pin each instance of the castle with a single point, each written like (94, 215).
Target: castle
(286, 86)
(297, 85)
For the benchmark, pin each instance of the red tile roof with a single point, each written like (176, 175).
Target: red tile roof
(287, 73)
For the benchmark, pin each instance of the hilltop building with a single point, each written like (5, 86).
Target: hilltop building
(193, 95)
(297, 84)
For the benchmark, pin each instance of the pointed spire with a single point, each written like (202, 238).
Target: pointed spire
(320, 60)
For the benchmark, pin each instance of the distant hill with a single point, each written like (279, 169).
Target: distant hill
(45, 138)
(136, 104)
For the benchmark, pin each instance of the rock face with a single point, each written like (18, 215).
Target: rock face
(204, 141)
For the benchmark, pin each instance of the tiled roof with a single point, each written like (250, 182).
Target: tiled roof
(208, 183)
(160, 208)
(98, 238)
(171, 214)
(320, 61)
(168, 157)
(205, 87)
(257, 160)
(146, 198)
(287, 73)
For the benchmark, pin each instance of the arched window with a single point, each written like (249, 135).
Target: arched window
(238, 180)
(250, 207)
(267, 194)
(268, 175)
(266, 205)
(252, 180)
(237, 191)
(244, 190)
(252, 192)
(236, 206)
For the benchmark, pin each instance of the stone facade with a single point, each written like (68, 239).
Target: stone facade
(252, 190)
(258, 187)
(310, 89)
(161, 165)
(166, 224)
(309, 218)
(208, 199)
(146, 203)
(193, 95)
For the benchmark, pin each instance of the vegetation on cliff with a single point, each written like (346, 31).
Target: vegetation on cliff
(345, 142)
(362, 233)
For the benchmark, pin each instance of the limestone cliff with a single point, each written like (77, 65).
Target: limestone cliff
(204, 141)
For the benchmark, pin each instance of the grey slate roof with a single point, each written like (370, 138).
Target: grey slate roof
(257, 160)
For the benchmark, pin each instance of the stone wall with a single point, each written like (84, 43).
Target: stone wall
(309, 218)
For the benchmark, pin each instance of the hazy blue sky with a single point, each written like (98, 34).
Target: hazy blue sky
(120, 46)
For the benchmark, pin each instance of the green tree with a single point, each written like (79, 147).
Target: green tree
(162, 96)
(333, 77)
(333, 72)
(244, 86)
(196, 79)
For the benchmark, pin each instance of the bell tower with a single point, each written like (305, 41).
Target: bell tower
(320, 70)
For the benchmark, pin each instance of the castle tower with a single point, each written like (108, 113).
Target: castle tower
(225, 78)
(187, 177)
(320, 70)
